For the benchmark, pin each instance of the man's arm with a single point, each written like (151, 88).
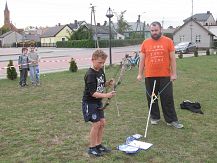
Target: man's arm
(173, 75)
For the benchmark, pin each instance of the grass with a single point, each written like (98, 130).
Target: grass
(45, 124)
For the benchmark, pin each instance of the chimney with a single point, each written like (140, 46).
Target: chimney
(76, 23)
(208, 12)
(98, 24)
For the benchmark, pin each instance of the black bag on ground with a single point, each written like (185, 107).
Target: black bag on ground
(192, 106)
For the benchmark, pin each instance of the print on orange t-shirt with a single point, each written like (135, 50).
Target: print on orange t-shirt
(157, 56)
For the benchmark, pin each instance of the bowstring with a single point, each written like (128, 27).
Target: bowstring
(156, 97)
(118, 82)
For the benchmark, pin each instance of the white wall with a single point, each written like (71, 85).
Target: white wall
(193, 29)
(13, 37)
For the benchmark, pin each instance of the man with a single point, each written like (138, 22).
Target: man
(158, 63)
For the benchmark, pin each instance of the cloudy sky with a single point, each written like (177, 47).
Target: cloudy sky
(51, 12)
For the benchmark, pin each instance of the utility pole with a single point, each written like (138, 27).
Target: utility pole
(15, 36)
(192, 7)
(138, 23)
(93, 18)
(191, 25)
(162, 24)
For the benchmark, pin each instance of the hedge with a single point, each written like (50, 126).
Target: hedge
(92, 43)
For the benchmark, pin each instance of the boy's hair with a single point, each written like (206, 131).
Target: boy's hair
(99, 54)
(23, 49)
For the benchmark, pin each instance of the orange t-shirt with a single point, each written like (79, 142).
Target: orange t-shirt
(157, 56)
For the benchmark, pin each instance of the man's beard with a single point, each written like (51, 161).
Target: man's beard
(156, 36)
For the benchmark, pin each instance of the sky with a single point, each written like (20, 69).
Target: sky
(43, 13)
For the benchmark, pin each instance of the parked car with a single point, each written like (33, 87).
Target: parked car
(185, 47)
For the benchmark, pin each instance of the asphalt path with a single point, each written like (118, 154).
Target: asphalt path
(57, 59)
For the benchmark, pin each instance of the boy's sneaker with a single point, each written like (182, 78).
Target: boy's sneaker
(101, 148)
(176, 124)
(154, 121)
(94, 152)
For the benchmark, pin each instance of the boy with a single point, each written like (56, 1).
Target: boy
(95, 82)
(23, 66)
(33, 66)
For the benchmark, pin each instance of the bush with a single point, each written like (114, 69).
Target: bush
(207, 52)
(73, 66)
(11, 71)
(196, 53)
(180, 55)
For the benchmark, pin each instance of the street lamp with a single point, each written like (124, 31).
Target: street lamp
(109, 14)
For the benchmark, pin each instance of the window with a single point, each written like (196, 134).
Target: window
(63, 39)
(181, 38)
(198, 38)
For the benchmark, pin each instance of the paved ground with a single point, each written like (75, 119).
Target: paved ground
(57, 59)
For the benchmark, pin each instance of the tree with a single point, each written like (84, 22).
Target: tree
(11, 71)
(4, 30)
(122, 24)
(81, 34)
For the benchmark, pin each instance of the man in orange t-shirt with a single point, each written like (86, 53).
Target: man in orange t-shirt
(158, 62)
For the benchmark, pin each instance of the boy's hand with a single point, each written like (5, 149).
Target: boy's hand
(111, 94)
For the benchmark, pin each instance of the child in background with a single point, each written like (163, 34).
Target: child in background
(33, 66)
(23, 66)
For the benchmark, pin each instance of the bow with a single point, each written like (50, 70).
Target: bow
(123, 67)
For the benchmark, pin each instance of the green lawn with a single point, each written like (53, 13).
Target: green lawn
(45, 124)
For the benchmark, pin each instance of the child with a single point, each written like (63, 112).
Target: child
(23, 66)
(33, 66)
(95, 82)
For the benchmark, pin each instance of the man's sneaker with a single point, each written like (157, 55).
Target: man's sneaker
(101, 148)
(154, 121)
(176, 124)
(94, 152)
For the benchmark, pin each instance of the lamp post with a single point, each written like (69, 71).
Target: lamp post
(109, 14)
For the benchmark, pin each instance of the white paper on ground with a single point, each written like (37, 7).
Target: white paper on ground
(137, 136)
(140, 144)
(127, 148)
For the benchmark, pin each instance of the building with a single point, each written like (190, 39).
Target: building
(203, 18)
(53, 34)
(10, 39)
(196, 29)
(135, 30)
(7, 22)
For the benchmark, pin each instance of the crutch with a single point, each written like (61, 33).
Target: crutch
(149, 113)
